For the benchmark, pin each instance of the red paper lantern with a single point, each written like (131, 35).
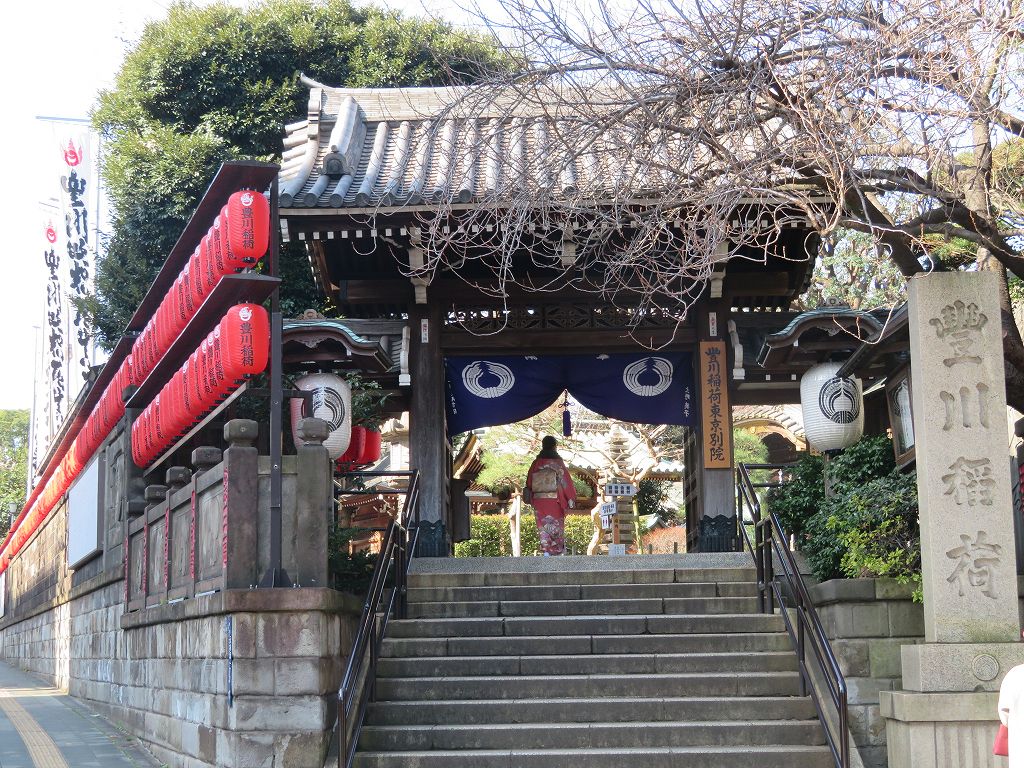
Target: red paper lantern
(245, 332)
(371, 447)
(246, 219)
(196, 279)
(356, 445)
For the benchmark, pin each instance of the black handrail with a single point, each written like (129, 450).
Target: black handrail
(396, 550)
(771, 544)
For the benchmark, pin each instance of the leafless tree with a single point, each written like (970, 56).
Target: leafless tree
(650, 141)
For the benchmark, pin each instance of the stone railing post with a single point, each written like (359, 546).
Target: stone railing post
(239, 525)
(204, 458)
(314, 506)
(176, 479)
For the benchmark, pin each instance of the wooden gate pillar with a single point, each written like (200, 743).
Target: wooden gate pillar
(715, 527)
(428, 441)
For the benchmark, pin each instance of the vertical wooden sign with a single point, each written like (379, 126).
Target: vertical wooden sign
(714, 391)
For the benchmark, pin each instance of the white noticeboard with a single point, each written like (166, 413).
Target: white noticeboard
(84, 504)
(607, 513)
(616, 549)
(620, 489)
(3, 594)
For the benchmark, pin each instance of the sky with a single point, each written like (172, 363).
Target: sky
(55, 61)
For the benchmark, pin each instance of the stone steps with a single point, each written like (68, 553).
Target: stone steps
(733, 642)
(784, 756)
(587, 710)
(584, 607)
(584, 591)
(595, 662)
(625, 664)
(591, 735)
(583, 625)
(575, 578)
(587, 686)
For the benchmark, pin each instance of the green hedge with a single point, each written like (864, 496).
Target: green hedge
(490, 536)
(868, 526)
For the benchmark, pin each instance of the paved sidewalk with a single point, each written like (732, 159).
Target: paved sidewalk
(42, 727)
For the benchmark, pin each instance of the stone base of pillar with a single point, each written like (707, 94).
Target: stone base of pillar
(718, 533)
(946, 715)
(940, 730)
(433, 539)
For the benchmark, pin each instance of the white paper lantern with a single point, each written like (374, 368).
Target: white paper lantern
(833, 408)
(332, 402)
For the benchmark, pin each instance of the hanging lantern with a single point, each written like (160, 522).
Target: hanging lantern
(332, 402)
(356, 445)
(246, 221)
(371, 447)
(833, 408)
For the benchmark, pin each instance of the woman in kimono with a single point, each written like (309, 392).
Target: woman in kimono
(550, 490)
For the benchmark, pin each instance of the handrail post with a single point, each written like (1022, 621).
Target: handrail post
(371, 673)
(802, 651)
(769, 567)
(343, 728)
(762, 585)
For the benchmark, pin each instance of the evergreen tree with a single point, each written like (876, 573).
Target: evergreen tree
(218, 83)
(13, 464)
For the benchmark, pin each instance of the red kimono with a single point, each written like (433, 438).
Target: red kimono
(551, 493)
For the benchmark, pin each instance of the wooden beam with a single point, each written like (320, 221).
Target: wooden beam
(558, 342)
(757, 284)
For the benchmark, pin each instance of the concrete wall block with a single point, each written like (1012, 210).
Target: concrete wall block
(288, 714)
(298, 676)
(253, 750)
(243, 633)
(864, 690)
(862, 620)
(867, 725)
(291, 634)
(906, 619)
(252, 677)
(301, 750)
(852, 656)
(199, 744)
(884, 655)
(163, 730)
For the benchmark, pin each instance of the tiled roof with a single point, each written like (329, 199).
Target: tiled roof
(367, 147)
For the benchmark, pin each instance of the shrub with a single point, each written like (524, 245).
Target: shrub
(350, 571)
(870, 530)
(804, 494)
(800, 498)
(491, 535)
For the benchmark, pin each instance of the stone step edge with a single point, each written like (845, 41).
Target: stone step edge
(596, 700)
(616, 655)
(687, 675)
(583, 600)
(690, 724)
(708, 635)
(584, 616)
(594, 585)
(700, 750)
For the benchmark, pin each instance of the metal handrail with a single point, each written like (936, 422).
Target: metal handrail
(358, 684)
(804, 627)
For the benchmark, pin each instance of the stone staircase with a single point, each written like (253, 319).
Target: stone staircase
(588, 663)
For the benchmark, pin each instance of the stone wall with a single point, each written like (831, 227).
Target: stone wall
(867, 622)
(233, 677)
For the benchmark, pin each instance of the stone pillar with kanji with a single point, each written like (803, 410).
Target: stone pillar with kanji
(946, 713)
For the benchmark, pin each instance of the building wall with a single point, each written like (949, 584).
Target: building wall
(236, 677)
